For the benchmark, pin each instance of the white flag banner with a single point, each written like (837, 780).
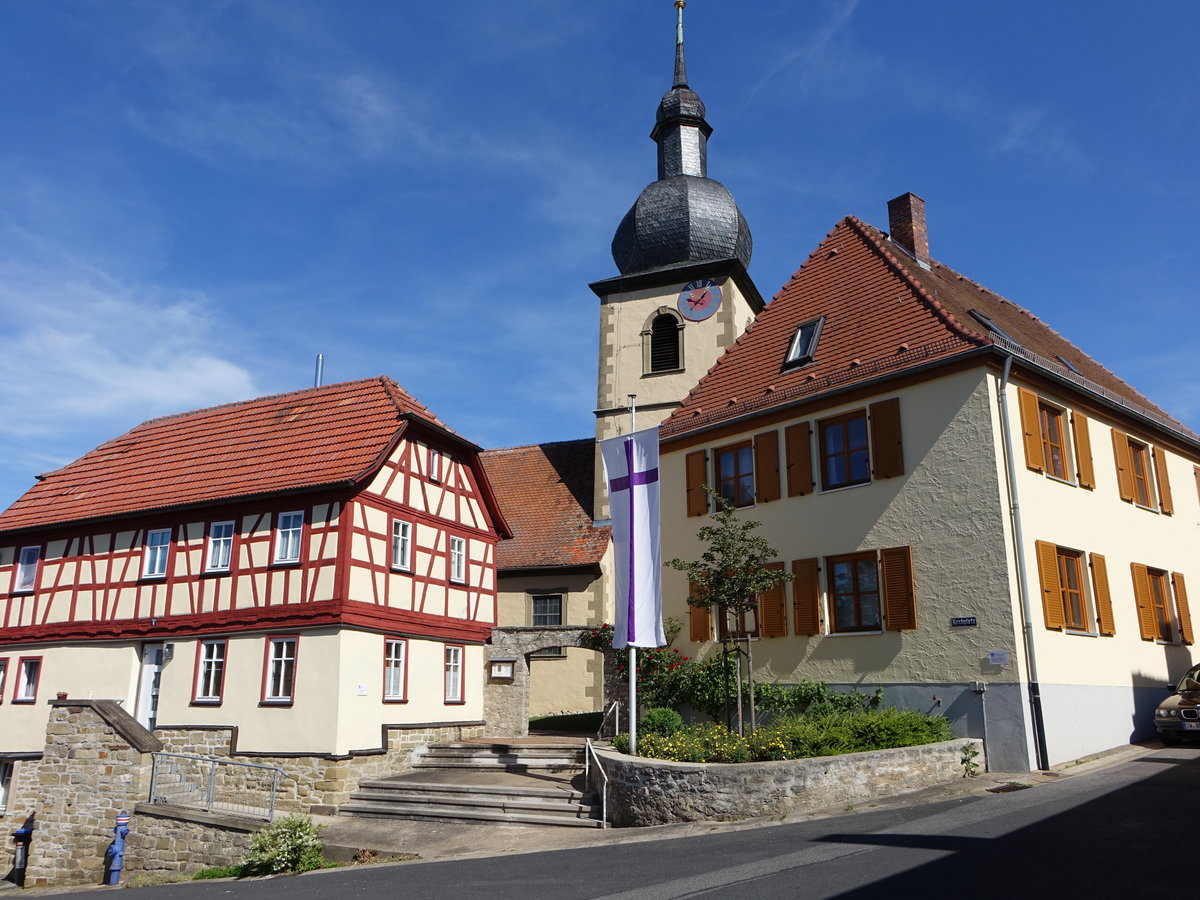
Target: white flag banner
(631, 474)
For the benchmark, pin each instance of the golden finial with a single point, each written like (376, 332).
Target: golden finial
(680, 4)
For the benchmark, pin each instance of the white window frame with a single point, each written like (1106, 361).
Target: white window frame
(281, 666)
(156, 552)
(220, 546)
(395, 669)
(458, 559)
(454, 670)
(212, 660)
(402, 545)
(435, 464)
(6, 773)
(26, 572)
(548, 652)
(289, 536)
(29, 674)
(3, 676)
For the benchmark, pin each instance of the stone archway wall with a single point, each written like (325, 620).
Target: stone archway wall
(506, 700)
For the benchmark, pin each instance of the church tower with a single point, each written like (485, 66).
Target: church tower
(683, 294)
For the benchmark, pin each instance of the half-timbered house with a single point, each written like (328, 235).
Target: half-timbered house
(301, 569)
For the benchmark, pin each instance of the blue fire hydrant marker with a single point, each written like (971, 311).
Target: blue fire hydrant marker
(114, 856)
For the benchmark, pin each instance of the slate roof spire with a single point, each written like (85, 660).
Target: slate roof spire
(684, 216)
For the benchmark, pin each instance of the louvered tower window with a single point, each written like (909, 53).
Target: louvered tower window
(664, 344)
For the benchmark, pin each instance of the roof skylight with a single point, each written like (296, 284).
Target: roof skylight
(804, 344)
(991, 326)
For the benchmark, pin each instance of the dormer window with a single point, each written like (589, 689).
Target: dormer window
(804, 344)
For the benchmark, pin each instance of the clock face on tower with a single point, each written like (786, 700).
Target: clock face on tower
(699, 300)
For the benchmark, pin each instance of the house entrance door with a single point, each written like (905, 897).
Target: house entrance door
(147, 700)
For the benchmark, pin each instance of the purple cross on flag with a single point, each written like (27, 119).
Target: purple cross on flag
(631, 473)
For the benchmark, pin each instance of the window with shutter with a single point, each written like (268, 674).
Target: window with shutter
(886, 446)
(854, 593)
(1031, 430)
(899, 594)
(1085, 471)
(772, 610)
(845, 458)
(696, 464)
(1054, 447)
(806, 597)
(796, 439)
(735, 474)
(1048, 572)
(1105, 623)
(766, 466)
(1124, 472)
(699, 619)
(1163, 481)
(1181, 607)
(664, 343)
(1141, 597)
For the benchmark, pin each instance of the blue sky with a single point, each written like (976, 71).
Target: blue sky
(200, 196)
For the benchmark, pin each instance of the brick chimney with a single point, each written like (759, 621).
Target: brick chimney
(906, 220)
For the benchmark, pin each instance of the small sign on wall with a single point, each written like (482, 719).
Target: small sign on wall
(963, 621)
(998, 657)
(362, 690)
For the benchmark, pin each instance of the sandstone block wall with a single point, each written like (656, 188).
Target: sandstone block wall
(656, 792)
(173, 841)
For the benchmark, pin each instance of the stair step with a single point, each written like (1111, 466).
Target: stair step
(499, 765)
(418, 798)
(439, 813)
(486, 790)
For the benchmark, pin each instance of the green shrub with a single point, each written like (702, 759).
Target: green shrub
(697, 743)
(660, 720)
(290, 844)
(620, 743)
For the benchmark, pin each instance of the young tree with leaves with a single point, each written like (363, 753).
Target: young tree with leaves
(731, 573)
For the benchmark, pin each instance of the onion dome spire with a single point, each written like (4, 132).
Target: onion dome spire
(684, 216)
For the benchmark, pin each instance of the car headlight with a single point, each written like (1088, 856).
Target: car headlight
(1166, 713)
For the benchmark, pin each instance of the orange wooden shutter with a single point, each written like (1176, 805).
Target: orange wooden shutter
(1083, 451)
(697, 474)
(1124, 464)
(887, 451)
(766, 467)
(806, 597)
(899, 596)
(1052, 599)
(1031, 429)
(1181, 606)
(1144, 600)
(799, 460)
(1196, 475)
(771, 609)
(1105, 623)
(1163, 480)
(700, 625)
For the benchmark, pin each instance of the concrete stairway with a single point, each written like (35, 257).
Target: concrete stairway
(530, 783)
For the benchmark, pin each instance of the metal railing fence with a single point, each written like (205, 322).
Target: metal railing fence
(589, 755)
(215, 785)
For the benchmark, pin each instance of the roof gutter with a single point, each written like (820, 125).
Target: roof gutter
(1014, 508)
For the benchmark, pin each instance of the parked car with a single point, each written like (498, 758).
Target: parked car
(1178, 716)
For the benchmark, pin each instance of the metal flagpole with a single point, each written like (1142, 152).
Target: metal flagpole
(632, 649)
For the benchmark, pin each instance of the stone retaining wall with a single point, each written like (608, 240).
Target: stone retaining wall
(176, 840)
(656, 792)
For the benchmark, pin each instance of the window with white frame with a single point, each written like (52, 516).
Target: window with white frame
(220, 546)
(6, 771)
(435, 465)
(3, 677)
(454, 685)
(25, 578)
(154, 558)
(29, 673)
(458, 559)
(401, 544)
(288, 532)
(281, 669)
(210, 677)
(546, 609)
(395, 674)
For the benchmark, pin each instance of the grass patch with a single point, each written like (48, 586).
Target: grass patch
(572, 722)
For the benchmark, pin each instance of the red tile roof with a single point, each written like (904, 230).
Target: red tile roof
(326, 436)
(883, 314)
(545, 493)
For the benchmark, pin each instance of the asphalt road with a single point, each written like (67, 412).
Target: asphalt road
(1125, 831)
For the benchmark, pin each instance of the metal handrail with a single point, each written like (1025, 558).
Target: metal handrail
(181, 780)
(589, 752)
(616, 707)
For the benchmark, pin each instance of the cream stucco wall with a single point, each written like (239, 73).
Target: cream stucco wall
(946, 507)
(94, 671)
